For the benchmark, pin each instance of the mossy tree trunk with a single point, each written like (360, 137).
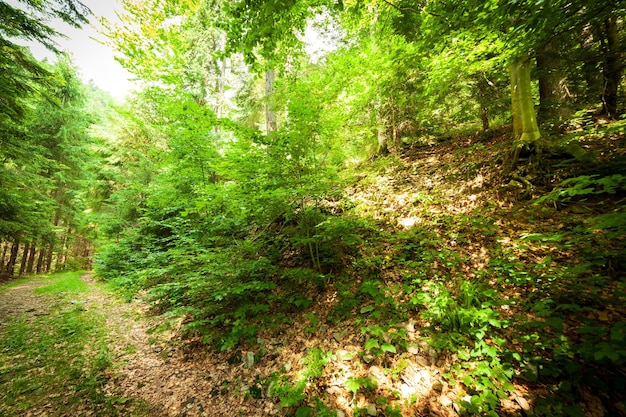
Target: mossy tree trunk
(525, 127)
(5, 248)
(382, 143)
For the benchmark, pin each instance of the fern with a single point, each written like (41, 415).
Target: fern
(586, 185)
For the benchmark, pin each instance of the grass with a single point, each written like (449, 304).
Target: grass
(13, 283)
(57, 359)
(65, 283)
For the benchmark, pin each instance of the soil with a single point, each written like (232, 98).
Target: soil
(20, 299)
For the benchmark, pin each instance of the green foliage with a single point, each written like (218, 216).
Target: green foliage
(64, 283)
(236, 227)
(46, 200)
(23, 75)
(315, 362)
(365, 385)
(384, 340)
(469, 310)
(293, 395)
(586, 186)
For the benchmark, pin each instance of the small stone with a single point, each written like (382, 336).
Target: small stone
(338, 336)
(413, 349)
(422, 361)
(445, 401)
(367, 358)
(344, 355)
(323, 328)
(432, 353)
(249, 359)
(410, 327)
(287, 367)
(523, 403)
(371, 410)
(340, 413)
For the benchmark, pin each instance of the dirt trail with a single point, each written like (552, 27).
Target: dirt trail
(20, 300)
(149, 365)
(152, 368)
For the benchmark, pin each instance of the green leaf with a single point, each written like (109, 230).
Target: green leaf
(371, 343)
(388, 347)
(366, 309)
(555, 322)
(352, 385)
(304, 412)
(495, 322)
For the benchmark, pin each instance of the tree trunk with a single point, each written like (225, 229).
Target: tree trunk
(5, 247)
(48, 260)
(40, 263)
(553, 91)
(24, 258)
(482, 87)
(62, 255)
(525, 128)
(10, 267)
(590, 67)
(611, 68)
(382, 147)
(393, 125)
(270, 114)
(31, 259)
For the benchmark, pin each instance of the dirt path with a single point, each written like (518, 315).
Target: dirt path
(19, 299)
(150, 366)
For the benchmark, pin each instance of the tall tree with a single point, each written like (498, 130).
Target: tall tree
(22, 74)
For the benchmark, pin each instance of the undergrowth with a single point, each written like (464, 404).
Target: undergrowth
(493, 306)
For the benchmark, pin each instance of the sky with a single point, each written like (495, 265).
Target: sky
(94, 60)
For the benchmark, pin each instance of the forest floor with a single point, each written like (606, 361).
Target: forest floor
(469, 324)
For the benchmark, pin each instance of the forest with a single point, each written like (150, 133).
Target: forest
(358, 207)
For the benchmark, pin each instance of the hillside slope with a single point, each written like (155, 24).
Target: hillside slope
(469, 291)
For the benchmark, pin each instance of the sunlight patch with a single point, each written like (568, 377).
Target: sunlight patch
(408, 222)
